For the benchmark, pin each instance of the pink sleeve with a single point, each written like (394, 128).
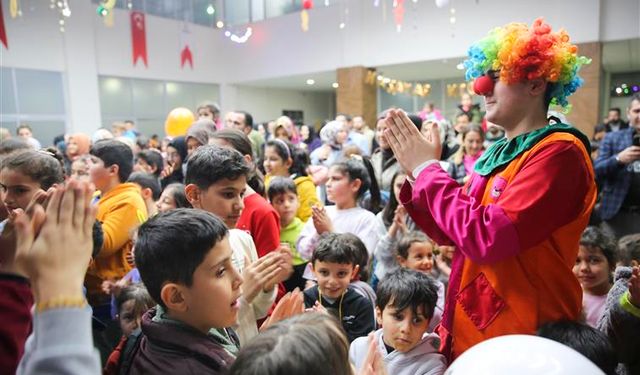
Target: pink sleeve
(518, 220)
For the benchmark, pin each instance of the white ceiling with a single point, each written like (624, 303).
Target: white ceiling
(617, 57)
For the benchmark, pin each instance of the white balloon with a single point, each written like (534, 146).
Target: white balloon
(442, 3)
(522, 355)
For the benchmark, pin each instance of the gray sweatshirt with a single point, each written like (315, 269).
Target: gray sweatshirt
(423, 359)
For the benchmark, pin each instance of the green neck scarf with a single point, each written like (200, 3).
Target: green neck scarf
(505, 150)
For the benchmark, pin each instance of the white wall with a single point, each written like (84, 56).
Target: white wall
(266, 104)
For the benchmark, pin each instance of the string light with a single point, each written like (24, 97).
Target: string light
(210, 10)
(395, 86)
(63, 10)
(237, 38)
(625, 89)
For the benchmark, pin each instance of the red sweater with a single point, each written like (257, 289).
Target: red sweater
(262, 222)
(15, 314)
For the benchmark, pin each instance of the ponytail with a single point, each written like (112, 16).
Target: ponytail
(358, 167)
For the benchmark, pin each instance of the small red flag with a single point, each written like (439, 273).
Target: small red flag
(138, 37)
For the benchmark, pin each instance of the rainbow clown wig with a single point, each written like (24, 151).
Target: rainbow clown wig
(521, 53)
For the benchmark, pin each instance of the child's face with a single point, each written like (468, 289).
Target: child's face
(224, 199)
(192, 145)
(419, 257)
(173, 158)
(287, 205)
(592, 270)
(333, 278)
(397, 185)
(18, 188)
(212, 300)
(340, 190)
(274, 164)
(129, 322)
(402, 329)
(142, 166)
(166, 201)
(80, 170)
(100, 174)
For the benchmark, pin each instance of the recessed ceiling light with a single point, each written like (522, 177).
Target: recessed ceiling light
(219, 24)
(310, 82)
(335, 85)
(460, 66)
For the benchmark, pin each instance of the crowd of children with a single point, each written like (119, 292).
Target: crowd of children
(224, 252)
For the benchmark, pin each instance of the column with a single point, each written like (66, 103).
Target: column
(355, 96)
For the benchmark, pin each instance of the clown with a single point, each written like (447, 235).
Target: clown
(518, 220)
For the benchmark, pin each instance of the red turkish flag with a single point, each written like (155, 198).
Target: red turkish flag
(186, 53)
(3, 33)
(138, 37)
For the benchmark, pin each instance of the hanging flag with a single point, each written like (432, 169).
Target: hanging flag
(186, 54)
(138, 37)
(398, 13)
(3, 33)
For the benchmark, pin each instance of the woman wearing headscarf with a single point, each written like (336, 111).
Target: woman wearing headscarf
(333, 135)
(176, 157)
(78, 146)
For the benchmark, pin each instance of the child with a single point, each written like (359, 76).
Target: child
(334, 265)
(184, 258)
(393, 223)
(80, 169)
(415, 252)
(216, 182)
(131, 303)
(593, 269)
(282, 195)
(281, 159)
(348, 182)
(621, 318)
(517, 223)
(584, 339)
(149, 161)
(172, 197)
(406, 300)
(149, 190)
(311, 344)
(120, 210)
(360, 282)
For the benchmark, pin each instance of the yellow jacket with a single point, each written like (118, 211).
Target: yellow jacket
(120, 211)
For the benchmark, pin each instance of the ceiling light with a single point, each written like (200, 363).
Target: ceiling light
(310, 82)
(335, 85)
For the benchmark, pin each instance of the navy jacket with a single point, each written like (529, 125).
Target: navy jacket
(615, 177)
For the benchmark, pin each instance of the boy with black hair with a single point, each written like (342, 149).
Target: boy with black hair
(184, 258)
(120, 209)
(149, 161)
(149, 189)
(405, 303)
(335, 264)
(216, 182)
(283, 196)
(584, 339)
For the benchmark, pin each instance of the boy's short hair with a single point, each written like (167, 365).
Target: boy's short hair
(408, 288)
(153, 158)
(586, 340)
(113, 152)
(210, 164)
(172, 244)
(333, 248)
(629, 249)
(362, 255)
(281, 185)
(594, 237)
(147, 181)
(405, 243)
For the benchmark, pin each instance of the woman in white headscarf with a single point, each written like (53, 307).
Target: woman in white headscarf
(333, 136)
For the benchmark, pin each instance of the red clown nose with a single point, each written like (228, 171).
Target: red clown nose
(483, 85)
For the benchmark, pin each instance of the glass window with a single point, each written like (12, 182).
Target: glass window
(40, 92)
(236, 12)
(115, 96)
(45, 131)
(257, 10)
(7, 96)
(275, 8)
(200, 14)
(179, 95)
(150, 126)
(148, 97)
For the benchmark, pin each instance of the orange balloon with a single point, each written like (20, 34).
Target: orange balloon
(178, 121)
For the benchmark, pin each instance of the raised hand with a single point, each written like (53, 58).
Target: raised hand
(258, 273)
(321, 220)
(410, 147)
(54, 246)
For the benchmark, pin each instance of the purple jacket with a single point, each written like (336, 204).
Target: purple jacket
(170, 347)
